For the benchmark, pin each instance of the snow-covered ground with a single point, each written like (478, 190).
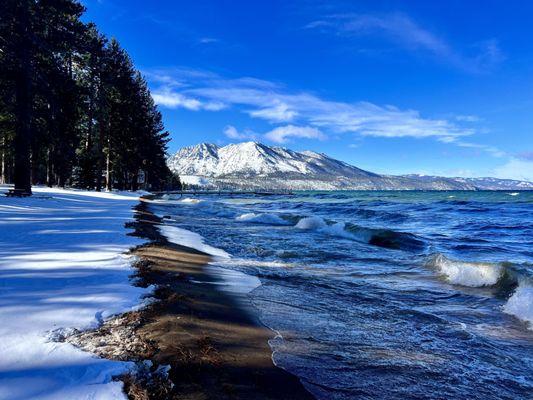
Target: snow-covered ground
(62, 266)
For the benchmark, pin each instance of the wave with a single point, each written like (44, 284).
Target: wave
(270, 219)
(188, 200)
(520, 304)
(168, 199)
(378, 237)
(472, 274)
(208, 206)
(514, 282)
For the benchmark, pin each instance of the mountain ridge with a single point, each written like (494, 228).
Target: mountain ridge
(254, 165)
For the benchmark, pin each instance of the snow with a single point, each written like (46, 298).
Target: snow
(194, 180)
(190, 239)
(62, 266)
(255, 165)
(250, 158)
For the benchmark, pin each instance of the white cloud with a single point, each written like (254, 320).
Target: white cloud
(214, 106)
(515, 169)
(231, 132)
(467, 118)
(172, 99)
(279, 112)
(282, 134)
(405, 32)
(483, 147)
(176, 100)
(365, 118)
(274, 103)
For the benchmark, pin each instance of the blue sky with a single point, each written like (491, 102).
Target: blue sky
(389, 86)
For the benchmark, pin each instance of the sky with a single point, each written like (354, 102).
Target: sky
(396, 87)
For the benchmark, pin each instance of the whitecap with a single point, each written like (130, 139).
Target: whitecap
(311, 223)
(320, 225)
(269, 219)
(472, 274)
(520, 304)
(188, 200)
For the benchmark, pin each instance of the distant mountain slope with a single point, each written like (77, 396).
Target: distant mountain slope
(255, 165)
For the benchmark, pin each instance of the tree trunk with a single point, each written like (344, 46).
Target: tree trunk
(108, 167)
(100, 155)
(90, 116)
(49, 168)
(134, 182)
(3, 179)
(23, 106)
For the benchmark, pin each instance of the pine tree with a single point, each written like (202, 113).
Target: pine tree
(18, 48)
(73, 109)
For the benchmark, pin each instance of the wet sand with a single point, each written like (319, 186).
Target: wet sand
(216, 349)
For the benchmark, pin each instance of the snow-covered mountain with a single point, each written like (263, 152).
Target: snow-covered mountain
(255, 165)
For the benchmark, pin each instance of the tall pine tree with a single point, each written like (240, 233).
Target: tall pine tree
(73, 109)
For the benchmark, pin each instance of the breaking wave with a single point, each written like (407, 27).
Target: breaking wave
(188, 200)
(516, 283)
(378, 237)
(520, 304)
(270, 219)
(472, 274)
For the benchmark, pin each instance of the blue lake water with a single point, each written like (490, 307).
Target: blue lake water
(385, 295)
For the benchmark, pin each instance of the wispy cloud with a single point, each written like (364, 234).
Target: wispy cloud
(467, 118)
(170, 99)
(494, 151)
(283, 134)
(278, 111)
(309, 115)
(515, 169)
(232, 133)
(403, 31)
(208, 40)
(525, 155)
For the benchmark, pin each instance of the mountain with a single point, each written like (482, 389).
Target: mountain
(254, 165)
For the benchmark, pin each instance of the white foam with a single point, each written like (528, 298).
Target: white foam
(235, 282)
(311, 223)
(270, 219)
(513, 194)
(232, 281)
(188, 200)
(190, 239)
(319, 225)
(472, 274)
(520, 304)
(244, 262)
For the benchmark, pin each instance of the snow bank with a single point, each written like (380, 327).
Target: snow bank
(61, 267)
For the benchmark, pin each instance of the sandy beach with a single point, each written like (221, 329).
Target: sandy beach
(215, 348)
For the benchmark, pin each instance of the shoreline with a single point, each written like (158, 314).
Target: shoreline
(214, 347)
